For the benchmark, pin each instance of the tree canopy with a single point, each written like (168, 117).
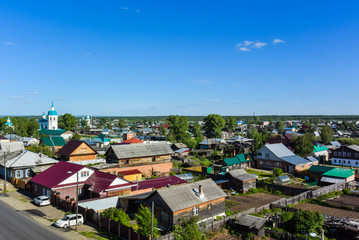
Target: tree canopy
(118, 215)
(187, 229)
(231, 124)
(304, 222)
(213, 125)
(67, 121)
(257, 138)
(143, 218)
(326, 134)
(303, 144)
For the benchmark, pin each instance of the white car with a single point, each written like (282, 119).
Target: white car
(69, 220)
(42, 201)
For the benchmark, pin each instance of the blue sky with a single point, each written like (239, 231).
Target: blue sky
(179, 57)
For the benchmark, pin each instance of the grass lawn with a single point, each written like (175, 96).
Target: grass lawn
(259, 174)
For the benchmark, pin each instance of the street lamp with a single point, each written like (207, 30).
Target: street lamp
(77, 196)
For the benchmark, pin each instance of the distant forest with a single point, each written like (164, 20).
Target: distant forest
(315, 118)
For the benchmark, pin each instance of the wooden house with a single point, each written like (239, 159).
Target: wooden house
(76, 151)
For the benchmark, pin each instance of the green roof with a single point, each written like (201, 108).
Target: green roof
(232, 161)
(52, 132)
(320, 169)
(339, 173)
(53, 141)
(319, 148)
(238, 159)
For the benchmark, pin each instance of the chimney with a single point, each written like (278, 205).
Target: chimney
(200, 191)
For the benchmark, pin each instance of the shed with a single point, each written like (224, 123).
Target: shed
(240, 180)
(284, 179)
(248, 223)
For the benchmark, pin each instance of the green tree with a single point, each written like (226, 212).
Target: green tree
(162, 130)
(197, 132)
(83, 123)
(303, 144)
(76, 136)
(67, 121)
(305, 222)
(231, 124)
(280, 126)
(102, 121)
(122, 123)
(277, 172)
(213, 125)
(118, 215)
(187, 229)
(143, 218)
(257, 138)
(326, 134)
(178, 128)
(42, 149)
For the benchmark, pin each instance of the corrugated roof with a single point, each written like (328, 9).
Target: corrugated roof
(339, 173)
(141, 150)
(354, 147)
(332, 180)
(319, 148)
(129, 172)
(100, 204)
(232, 161)
(158, 183)
(312, 159)
(335, 144)
(279, 150)
(320, 169)
(132, 141)
(242, 175)
(295, 160)
(250, 221)
(28, 159)
(100, 181)
(51, 132)
(56, 174)
(239, 158)
(11, 147)
(186, 195)
(53, 141)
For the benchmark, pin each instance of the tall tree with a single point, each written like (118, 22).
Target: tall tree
(178, 128)
(197, 132)
(280, 126)
(143, 218)
(67, 121)
(213, 125)
(231, 124)
(257, 138)
(303, 144)
(305, 222)
(326, 134)
(122, 123)
(187, 229)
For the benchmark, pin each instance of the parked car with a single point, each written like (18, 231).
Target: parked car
(69, 220)
(42, 201)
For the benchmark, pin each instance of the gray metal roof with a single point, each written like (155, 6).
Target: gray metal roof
(295, 160)
(354, 147)
(335, 144)
(11, 147)
(125, 151)
(279, 150)
(242, 175)
(100, 204)
(250, 221)
(28, 159)
(187, 195)
(312, 159)
(331, 180)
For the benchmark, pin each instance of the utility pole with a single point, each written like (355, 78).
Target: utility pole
(152, 210)
(77, 198)
(4, 172)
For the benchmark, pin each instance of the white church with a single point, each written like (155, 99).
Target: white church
(51, 120)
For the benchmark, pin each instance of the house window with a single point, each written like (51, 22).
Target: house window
(209, 206)
(344, 161)
(356, 163)
(335, 161)
(335, 153)
(349, 154)
(127, 161)
(85, 173)
(339, 161)
(114, 172)
(80, 192)
(48, 193)
(259, 154)
(356, 155)
(35, 188)
(267, 155)
(339, 154)
(154, 159)
(18, 174)
(195, 211)
(344, 154)
(164, 216)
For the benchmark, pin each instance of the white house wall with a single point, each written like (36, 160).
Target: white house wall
(73, 177)
(118, 181)
(339, 162)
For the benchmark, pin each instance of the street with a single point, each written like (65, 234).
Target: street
(16, 225)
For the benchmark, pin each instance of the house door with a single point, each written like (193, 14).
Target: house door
(290, 169)
(43, 191)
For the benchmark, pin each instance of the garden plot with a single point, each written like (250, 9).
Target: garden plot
(328, 210)
(244, 202)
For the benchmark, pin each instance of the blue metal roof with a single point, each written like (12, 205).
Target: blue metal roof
(52, 113)
(295, 160)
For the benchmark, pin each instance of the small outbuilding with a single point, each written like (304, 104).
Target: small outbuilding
(241, 181)
(248, 223)
(284, 179)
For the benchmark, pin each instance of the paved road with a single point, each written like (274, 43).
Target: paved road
(16, 225)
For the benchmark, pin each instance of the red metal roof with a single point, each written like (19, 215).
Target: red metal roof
(56, 174)
(100, 181)
(132, 141)
(158, 183)
(4, 138)
(129, 172)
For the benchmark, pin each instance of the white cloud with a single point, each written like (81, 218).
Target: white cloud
(125, 8)
(31, 93)
(245, 43)
(244, 49)
(277, 40)
(259, 44)
(9, 43)
(16, 97)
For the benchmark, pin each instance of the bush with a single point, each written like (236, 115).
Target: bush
(277, 172)
(346, 191)
(118, 215)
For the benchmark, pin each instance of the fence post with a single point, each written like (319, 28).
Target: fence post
(85, 215)
(129, 233)
(99, 219)
(109, 224)
(118, 229)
